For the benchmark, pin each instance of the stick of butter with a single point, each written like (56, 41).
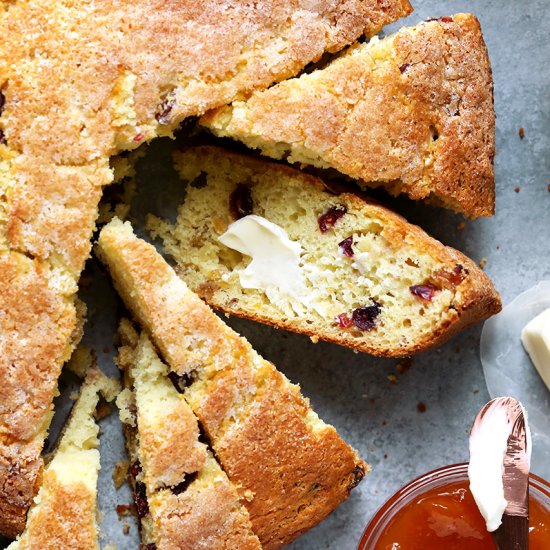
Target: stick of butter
(536, 341)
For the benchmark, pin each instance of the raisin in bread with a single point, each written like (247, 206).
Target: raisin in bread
(412, 113)
(81, 81)
(183, 498)
(293, 469)
(64, 514)
(332, 266)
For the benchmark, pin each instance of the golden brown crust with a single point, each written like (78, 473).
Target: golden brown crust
(36, 325)
(207, 515)
(355, 116)
(65, 519)
(83, 81)
(293, 470)
(295, 476)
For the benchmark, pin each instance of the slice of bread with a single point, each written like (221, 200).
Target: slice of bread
(370, 281)
(412, 113)
(80, 82)
(293, 469)
(64, 514)
(183, 498)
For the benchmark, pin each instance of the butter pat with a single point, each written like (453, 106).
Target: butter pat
(488, 445)
(275, 266)
(536, 341)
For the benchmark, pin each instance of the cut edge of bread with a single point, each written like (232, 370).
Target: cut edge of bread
(455, 307)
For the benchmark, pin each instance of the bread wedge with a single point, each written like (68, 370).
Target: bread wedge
(80, 82)
(183, 498)
(412, 113)
(330, 265)
(64, 514)
(292, 468)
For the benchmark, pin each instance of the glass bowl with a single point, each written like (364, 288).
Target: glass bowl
(539, 490)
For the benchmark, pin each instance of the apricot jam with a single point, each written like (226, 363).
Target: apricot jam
(438, 512)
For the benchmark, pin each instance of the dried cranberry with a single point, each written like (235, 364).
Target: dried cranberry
(2, 101)
(2, 138)
(240, 202)
(135, 469)
(343, 320)
(165, 109)
(182, 381)
(424, 292)
(358, 475)
(140, 496)
(345, 247)
(330, 217)
(150, 546)
(181, 487)
(404, 67)
(139, 137)
(364, 318)
(454, 277)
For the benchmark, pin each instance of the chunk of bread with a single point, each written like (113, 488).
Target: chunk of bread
(64, 513)
(412, 113)
(81, 81)
(373, 300)
(294, 469)
(183, 498)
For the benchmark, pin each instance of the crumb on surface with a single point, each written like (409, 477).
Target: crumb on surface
(460, 226)
(314, 339)
(521, 132)
(404, 365)
(73, 396)
(421, 407)
(126, 528)
(482, 262)
(548, 187)
(120, 471)
(125, 510)
(517, 189)
(392, 378)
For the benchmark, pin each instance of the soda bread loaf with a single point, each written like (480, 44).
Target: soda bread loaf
(268, 242)
(293, 469)
(183, 498)
(81, 81)
(412, 113)
(64, 514)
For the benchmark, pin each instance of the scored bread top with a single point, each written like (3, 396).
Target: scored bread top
(412, 113)
(388, 262)
(64, 514)
(191, 503)
(293, 469)
(81, 81)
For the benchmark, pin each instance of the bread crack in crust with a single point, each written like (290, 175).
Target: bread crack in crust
(412, 113)
(183, 498)
(292, 468)
(364, 278)
(64, 513)
(80, 81)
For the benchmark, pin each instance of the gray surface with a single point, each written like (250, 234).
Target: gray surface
(351, 391)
